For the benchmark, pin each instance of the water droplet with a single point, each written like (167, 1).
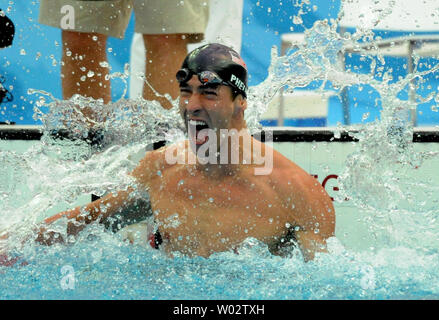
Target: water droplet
(211, 200)
(297, 20)
(159, 173)
(90, 73)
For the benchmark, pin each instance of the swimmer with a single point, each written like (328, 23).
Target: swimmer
(202, 207)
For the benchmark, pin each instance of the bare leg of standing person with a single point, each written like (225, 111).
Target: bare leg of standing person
(81, 71)
(164, 55)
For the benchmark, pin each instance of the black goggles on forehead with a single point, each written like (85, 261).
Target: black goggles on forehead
(205, 77)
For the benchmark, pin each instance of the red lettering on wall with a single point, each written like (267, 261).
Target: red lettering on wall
(331, 176)
(327, 178)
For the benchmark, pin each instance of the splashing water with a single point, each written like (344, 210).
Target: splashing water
(376, 179)
(378, 176)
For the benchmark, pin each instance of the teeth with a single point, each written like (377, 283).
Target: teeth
(196, 122)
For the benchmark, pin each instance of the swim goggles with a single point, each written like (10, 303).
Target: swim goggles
(205, 77)
(208, 77)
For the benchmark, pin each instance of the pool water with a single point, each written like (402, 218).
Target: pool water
(101, 265)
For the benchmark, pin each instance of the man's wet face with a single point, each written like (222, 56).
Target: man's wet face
(203, 108)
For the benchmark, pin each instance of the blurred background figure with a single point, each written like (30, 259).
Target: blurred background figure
(166, 27)
(224, 26)
(7, 32)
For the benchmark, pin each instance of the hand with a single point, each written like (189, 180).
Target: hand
(4, 236)
(5, 260)
(48, 238)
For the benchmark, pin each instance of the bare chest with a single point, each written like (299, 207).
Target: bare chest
(197, 218)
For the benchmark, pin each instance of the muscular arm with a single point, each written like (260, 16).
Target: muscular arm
(312, 213)
(114, 210)
(310, 243)
(316, 222)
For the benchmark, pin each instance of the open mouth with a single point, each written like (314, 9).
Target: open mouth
(199, 131)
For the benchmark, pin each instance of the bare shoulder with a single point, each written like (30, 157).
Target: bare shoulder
(287, 173)
(157, 161)
(311, 205)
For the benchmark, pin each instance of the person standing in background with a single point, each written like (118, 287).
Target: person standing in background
(224, 26)
(167, 28)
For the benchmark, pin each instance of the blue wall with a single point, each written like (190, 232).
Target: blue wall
(33, 60)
